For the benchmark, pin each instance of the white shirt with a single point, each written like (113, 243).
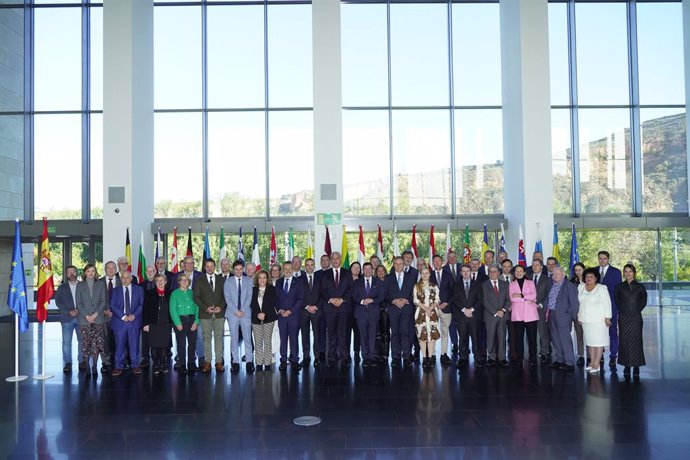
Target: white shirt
(73, 290)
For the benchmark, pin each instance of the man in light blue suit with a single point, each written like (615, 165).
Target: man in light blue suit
(238, 296)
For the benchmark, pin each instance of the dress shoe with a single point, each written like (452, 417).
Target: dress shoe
(144, 363)
(306, 361)
(479, 363)
(192, 368)
(566, 367)
(282, 367)
(67, 369)
(542, 358)
(415, 357)
(235, 368)
(532, 363)
(580, 361)
(105, 369)
(445, 360)
(491, 363)
(433, 359)
(626, 371)
(358, 357)
(407, 362)
(426, 363)
(454, 349)
(116, 372)
(137, 371)
(317, 363)
(612, 363)
(244, 358)
(259, 368)
(177, 366)
(220, 367)
(295, 366)
(504, 363)
(83, 367)
(206, 368)
(556, 365)
(164, 369)
(395, 362)
(329, 363)
(182, 370)
(156, 372)
(346, 362)
(250, 367)
(202, 360)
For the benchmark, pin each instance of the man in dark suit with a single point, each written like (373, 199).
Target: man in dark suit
(467, 311)
(111, 280)
(146, 284)
(496, 305)
(408, 261)
(543, 285)
(127, 304)
(562, 308)
(489, 257)
(336, 292)
(399, 291)
(209, 296)
(289, 303)
(535, 255)
(367, 298)
(444, 281)
(611, 277)
(311, 314)
(66, 301)
(452, 266)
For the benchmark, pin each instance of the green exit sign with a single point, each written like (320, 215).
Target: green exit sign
(332, 218)
(51, 229)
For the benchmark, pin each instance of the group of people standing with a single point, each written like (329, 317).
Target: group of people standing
(366, 311)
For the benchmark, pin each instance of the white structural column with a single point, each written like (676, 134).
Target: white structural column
(686, 54)
(127, 125)
(328, 129)
(526, 123)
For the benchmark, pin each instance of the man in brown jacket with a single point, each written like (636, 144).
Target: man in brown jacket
(209, 297)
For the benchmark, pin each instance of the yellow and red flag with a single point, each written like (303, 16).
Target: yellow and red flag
(128, 252)
(46, 288)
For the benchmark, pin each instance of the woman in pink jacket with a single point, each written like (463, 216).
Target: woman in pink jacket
(524, 315)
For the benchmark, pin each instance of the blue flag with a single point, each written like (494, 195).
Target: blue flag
(16, 297)
(574, 255)
(207, 247)
(240, 247)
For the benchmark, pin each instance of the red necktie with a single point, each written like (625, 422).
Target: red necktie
(496, 287)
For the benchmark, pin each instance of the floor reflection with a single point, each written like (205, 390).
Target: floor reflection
(366, 413)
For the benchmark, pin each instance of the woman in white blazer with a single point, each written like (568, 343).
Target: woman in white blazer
(595, 316)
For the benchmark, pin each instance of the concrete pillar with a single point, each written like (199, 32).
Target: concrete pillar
(127, 125)
(686, 59)
(526, 123)
(328, 128)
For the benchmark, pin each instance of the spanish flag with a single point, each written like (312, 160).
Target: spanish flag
(46, 288)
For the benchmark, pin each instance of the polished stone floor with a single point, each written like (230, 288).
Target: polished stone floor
(366, 413)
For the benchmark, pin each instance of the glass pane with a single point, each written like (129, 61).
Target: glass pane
(562, 162)
(664, 160)
(419, 54)
(421, 162)
(12, 158)
(177, 156)
(177, 57)
(57, 166)
(96, 58)
(602, 53)
(675, 251)
(81, 255)
(96, 166)
(558, 53)
(289, 56)
(660, 53)
(605, 165)
(366, 170)
(477, 54)
(364, 55)
(236, 164)
(57, 59)
(291, 160)
(12, 61)
(479, 161)
(236, 56)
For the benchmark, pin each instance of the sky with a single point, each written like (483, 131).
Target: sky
(419, 74)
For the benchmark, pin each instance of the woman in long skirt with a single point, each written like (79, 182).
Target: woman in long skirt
(426, 298)
(631, 298)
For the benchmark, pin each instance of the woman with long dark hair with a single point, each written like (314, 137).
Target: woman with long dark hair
(631, 299)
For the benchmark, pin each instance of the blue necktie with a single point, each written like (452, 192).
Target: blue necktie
(286, 285)
(239, 294)
(400, 281)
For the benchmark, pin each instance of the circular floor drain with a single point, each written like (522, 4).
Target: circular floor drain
(307, 421)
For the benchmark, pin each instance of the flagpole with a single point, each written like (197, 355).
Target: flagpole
(43, 375)
(16, 377)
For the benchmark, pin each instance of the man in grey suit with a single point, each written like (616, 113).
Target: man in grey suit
(496, 304)
(562, 307)
(543, 284)
(238, 297)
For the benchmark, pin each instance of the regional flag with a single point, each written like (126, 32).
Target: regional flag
(522, 258)
(46, 288)
(16, 297)
(327, 244)
(240, 247)
(485, 243)
(274, 249)
(414, 246)
(173, 255)
(190, 252)
(310, 245)
(467, 251)
(345, 251)
(432, 248)
(222, 254)
(556, 248)
(379, 246)
(128, 252)
(396, 248)
(361, 258)
(207, 245)
(141, 270)
(255, 251)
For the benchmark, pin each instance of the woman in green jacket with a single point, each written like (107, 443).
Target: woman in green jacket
(185, 316)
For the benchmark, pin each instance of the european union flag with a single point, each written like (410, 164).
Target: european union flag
(16, 297)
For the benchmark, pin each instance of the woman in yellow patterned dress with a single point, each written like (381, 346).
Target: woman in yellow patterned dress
(426, 299)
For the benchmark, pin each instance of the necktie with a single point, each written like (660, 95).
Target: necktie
(474, 277)
(536, 279)
(496, 287)
(239, 294)
(311, 283)
(400, 280)
(438, 278)
(603, 272)
(286, 285)
(452, 270)
(367, 286)
(110, 288)
(337, 277)
(127, 304)
(467, 288)
(210, 282)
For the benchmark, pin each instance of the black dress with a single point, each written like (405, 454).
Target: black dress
(631, 298)
(157, 317)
